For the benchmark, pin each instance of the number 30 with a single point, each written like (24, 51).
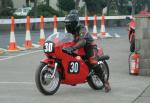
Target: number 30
(48, 47)
(74, 67)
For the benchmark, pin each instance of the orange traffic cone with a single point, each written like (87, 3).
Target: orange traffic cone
(95, 28)
(42, 35)
(55, 24)
(28, 42)
(86, 22)
(12, 44)
(103, 33)
(65, 30)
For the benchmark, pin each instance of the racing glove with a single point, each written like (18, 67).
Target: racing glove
(78, 45)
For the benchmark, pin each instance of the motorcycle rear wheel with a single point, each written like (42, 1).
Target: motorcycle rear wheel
(94, 80)
(45, 84)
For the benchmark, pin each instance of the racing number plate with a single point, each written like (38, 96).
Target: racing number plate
(74, 67)
(48, 47)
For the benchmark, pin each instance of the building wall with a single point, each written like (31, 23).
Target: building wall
(142, 43)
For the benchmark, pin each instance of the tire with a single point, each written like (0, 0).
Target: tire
(94, 80)
(106, 70)
(45, 84)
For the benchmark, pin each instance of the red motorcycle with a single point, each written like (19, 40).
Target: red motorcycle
(60, 67)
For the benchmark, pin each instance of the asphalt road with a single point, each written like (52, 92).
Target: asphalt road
(17, 83)
(35, 35)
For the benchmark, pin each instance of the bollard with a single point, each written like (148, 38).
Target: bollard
(142, 43)
(55, 24)
(94, 34)
(28, 42)
(42, 34)
(86, 23)
(12, 47)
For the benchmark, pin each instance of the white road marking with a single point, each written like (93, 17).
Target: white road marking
(6, 56)
(20, 55)
(117, 35)
(27, 83)
(3, 49)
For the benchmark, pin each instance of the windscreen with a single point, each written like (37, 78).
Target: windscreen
(60, 37)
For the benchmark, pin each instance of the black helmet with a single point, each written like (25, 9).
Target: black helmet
(72, 23)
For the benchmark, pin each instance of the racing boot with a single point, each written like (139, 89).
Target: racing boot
(107, 86)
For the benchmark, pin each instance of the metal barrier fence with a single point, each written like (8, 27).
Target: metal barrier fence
(50, 19)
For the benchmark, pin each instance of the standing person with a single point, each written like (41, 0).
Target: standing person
(131, 33)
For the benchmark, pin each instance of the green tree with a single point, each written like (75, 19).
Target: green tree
(66, 5)
(47, 2)
(7, 3)
(119, 7)
(6, 8)
(27, 3)
(95, 6)
(141, 5)
(122, 6)
(112, 7)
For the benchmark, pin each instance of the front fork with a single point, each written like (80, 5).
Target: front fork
(51, 63)
(55, 67)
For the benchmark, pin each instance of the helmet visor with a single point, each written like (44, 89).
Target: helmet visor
(71, 27)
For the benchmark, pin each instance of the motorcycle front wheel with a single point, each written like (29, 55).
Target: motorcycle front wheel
(45, 83)
(94, 80)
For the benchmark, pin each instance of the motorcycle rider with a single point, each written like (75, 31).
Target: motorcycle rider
(84, 39)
